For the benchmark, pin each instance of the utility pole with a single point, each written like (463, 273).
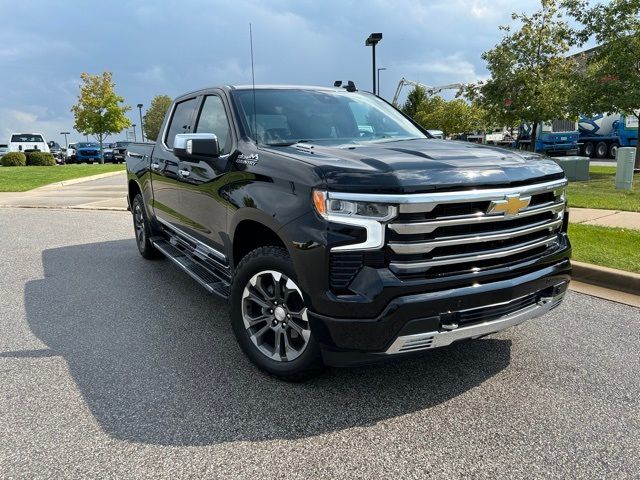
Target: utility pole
(141, 124)
(381, 68)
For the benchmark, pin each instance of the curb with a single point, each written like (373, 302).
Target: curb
(67, 207)
(73, 181)
(606, 277)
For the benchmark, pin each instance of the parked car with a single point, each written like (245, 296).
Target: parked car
(120, 151)
(342, 232)
(27, 142)
(56, 151)
(4, 148)
(70, 153)
(107, 153)
(86, 152)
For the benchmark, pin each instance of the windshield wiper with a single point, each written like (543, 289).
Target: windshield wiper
(287, 144)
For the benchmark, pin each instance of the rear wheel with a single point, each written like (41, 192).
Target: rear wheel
(613, 149)
(269, 316)
(142, 230)
(601, 150)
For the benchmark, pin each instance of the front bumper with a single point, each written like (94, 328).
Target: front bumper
(430, 319)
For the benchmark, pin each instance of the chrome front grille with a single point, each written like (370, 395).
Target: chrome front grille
(446, 233)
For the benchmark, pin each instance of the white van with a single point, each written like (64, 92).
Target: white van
(23, 142)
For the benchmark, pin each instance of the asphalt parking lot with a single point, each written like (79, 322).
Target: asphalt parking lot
(116, 367)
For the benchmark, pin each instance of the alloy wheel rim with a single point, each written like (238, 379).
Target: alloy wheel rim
(139, 224)
(275, 316)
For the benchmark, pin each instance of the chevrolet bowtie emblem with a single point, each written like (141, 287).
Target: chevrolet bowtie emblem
(510, 206)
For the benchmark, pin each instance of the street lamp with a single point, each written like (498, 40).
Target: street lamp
(141, 124)
(134, 132)
(381, 68)
(372, 41)
(66, 144)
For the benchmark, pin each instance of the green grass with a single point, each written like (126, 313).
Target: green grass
(21, 179)
(610, 247)
(600, 192)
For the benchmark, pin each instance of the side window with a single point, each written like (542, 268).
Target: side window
(180, 120)
(213, 119)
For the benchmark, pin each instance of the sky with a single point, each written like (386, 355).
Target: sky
(172, 47)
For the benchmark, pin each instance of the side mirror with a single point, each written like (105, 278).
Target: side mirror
(196, 145)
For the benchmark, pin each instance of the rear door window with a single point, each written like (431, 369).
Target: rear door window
(180, 121)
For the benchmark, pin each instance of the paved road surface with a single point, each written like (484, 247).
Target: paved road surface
(107, 193)
(116, 367)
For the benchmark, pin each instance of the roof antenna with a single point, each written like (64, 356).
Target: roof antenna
(253, 83)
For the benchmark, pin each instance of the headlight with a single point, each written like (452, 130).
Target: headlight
(329, 207)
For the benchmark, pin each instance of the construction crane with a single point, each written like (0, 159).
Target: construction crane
(429, 90)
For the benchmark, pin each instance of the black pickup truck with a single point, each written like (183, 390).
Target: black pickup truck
(343, 233)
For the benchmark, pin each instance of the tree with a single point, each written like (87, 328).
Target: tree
(454, 116)
(532, 80)
(610, 81)
(414, 99)
(152, 120)
(98, 111)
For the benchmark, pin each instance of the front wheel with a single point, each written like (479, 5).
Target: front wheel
(269, 316)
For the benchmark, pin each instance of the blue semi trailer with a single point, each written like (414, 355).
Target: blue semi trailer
(601, 135)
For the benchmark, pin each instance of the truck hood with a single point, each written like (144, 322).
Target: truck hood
(421, 165)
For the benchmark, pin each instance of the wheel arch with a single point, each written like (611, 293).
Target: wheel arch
(251, 229)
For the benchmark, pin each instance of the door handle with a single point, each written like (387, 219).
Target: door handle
(155, 166)
(184, 173)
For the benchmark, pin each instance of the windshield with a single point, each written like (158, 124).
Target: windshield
(26, 137)
(87, 145)
(286, 116)
(121, 144)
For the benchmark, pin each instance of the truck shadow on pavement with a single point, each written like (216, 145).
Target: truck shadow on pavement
(155, 359)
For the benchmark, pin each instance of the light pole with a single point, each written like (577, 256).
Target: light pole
(103, 110)
(141, 124)
(372, 41)
(66, 144)
(381, 68)
(134, 132)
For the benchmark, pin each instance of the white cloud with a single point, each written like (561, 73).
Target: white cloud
(32, 119)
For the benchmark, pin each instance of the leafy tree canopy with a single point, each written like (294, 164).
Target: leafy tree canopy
(98, 111)
(610, 73)
(532, 78)
(152, 120)
(414, 99)
(455, 116)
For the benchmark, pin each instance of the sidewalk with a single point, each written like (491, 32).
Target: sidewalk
(605, 218)
(107, 192)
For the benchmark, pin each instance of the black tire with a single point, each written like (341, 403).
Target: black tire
(308, 362)
(589, 149)
(601, 150)
(613, 149)
(142, 230)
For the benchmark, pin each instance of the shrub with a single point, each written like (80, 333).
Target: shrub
(14, 159)
(40, 159)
